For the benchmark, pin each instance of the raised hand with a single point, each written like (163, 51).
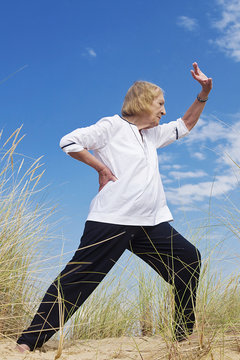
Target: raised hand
(203, 80)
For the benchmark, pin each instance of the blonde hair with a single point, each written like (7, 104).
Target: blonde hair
(139, 98)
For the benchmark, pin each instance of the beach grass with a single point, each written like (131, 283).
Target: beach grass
(132, 301)
(23, 229)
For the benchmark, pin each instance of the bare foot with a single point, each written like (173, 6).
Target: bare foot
(22, 348)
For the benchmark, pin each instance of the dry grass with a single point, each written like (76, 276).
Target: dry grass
(23, 227)
(115, 309)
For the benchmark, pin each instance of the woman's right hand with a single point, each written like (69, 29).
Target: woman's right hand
(105, 175)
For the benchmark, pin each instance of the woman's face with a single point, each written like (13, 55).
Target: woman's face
(157, 110)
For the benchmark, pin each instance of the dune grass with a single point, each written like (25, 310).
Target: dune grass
(112, 311)
(132, 302)
(148, 311)
(23, 227)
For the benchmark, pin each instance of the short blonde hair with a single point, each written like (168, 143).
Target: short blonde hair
(139, 98)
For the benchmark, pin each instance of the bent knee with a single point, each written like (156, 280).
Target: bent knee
(196, 258)
(193, 258)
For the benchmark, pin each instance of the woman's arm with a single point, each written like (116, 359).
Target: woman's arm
(192, 115)
(78, 142)
(105, 174)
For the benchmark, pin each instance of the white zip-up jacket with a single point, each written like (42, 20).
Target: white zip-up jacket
(137, 197)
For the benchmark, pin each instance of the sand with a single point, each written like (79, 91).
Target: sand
(128, 348)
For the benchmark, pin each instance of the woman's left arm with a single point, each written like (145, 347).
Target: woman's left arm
(192, 115)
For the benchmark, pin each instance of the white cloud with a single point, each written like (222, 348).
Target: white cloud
(231, 151)
(190, 193)
(185, 208)
(229, 27)
(225, 137)
(187, 23)
(176, 167)
(207, 129)
(91, 52)
(171, 167)
(198, 155)
(163, 157)
(187, 174)
(166, 179)
(223, 142)
(230, 13)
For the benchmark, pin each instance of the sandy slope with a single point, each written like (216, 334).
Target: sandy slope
(125, 348)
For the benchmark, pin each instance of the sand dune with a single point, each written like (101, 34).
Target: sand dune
(127, 348)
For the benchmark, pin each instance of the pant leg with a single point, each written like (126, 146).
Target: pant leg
(101, 246)
(178, 262)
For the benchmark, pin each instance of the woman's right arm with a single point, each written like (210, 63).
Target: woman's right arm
(78, 142)
(105, 174)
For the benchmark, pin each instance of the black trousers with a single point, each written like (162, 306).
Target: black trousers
(102, 244)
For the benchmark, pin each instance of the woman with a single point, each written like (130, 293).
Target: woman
(129, 212)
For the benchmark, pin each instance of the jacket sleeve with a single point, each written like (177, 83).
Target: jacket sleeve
(167, 133)
(90, 138)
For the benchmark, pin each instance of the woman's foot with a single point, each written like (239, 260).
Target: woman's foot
(22, 348)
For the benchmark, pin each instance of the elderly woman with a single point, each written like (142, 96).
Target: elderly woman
(129, 211)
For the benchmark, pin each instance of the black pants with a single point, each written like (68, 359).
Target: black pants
(160, 246)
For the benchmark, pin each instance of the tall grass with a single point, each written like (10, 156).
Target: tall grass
(147, 310)
(112, 312)
(23, 226)
(134, 302)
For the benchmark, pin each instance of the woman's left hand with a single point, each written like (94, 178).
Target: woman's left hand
(202, 79)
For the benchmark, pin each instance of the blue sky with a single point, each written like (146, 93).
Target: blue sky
(66, 64)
